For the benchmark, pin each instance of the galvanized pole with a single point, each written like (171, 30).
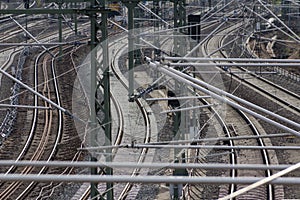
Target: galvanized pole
(156, 28)
(130, 5)
(93, 119)
(74, 16)
(60, 28)
(107, 105)
(180, 44)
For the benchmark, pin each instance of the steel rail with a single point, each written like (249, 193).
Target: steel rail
(34, 121)
(33, 91)
(233, 153)
(254, 75)
(59, 130)
(270, 188)
(148, 128)
(145, 114)
(41, 144)
(120, 131)
(265, 156)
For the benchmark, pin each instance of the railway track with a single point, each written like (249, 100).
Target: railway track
(70, 140)
(226, 129)
(234, 124)
(281, 96)
(42, 141)
(40, 137)
(200, 155)
(123, 191)
(238, 120)
(148, 135)
(269, 193)
(117, 127)
(43, 121)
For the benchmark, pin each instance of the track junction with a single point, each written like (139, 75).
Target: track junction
(130, 100)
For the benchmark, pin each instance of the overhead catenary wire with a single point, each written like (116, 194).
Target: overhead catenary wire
(216, 93)
(221, 139)
(193, 50)
(142, 179)
(254, 60)
(223, 147)
(215, 90)
(181, 142)
(30, 35)
(185, 109)
(67, 112)
(177, 98)
(205, 18)
(40, 44)
(177, 28)
(278, 19)
(237, 64)
(25, 106)
(150, 165)
(261, 182)
(32, 91)
(155, 15)
(279, 29)
(126, 30)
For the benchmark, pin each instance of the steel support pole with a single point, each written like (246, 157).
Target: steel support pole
(93, 84)
(179, 21)
(130, 6)
(137, 39)
(107, 105)
(75, 20)
(156, 28)
(179, 49)
(60, 29)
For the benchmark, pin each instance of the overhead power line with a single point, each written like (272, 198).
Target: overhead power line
(116, 164)
(142, 179)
